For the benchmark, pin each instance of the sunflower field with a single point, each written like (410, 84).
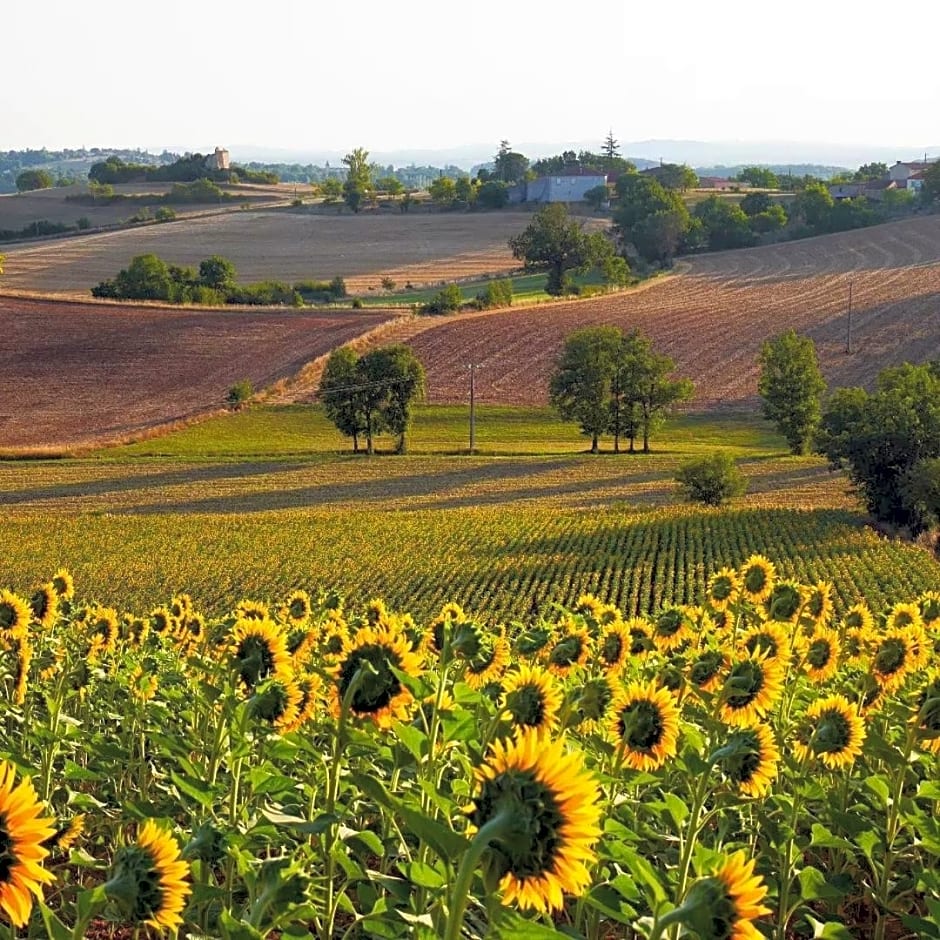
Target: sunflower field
(760, 765)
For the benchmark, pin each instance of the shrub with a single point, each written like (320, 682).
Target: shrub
(496, 294)
(338, 287)
(446, 300)
(711, 480)
(357, 304)
(165, 214)
(239, 394)
(388, 283)
(83, 223)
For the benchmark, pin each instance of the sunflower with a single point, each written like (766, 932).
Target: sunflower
(644, 723)
(641, 636)
(14, 616)
(101, 629)
(44, 605)
(749, 758)
(757, 578)
(831, 730)
(297, 609)
(785, 601)
(433, 640)
(258, 649)
(311, 694)
(819, 603)
(149, 879)
(858, 617)
(750, 689)
(333, 638)
(67, 832)
(927, 716)
(856, 643)
(162, 621)
(135, 629)
(724, 587)
(488, 661)
(180, 605)
(23, 830)
(532, 698)
(190, 631)
(613, 646)
(867, 695)
(142, 683)
(671, 629)
(568, 649)
(929, 605)
(892, 658)
(376, 613)
(770, 640)
(277, 701)
(24, 656)
(921, 647)
(590, 702)
(724, 905)
(64, 584)
(903, 616)
(704, 672)
(247, 609)
(379, 695)
(820, 655)
(550, 804)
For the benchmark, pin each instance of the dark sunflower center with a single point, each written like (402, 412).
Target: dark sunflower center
(595, 696)
(7, 616)
(832, 733)
(526, 705)
(641, 725)
(567, 651)
(298, 609)
(376, 691)
(890, 656)
(744, 756)
(640, 643)
(762, 643)
(744, 684)
(784, 602)
(612, 648)
(853, 620)
(437, 636)
(903, 619)
(137, 881)
(815, 605)
(930, 610)
(41, 603)
(7, 857)
(721, 589)
(755, 579)
(819, 653)
(853, 646)
(529, 849)
(254, 659)
(706, 667)
(483, 659)
(333, 645)
(669, 623)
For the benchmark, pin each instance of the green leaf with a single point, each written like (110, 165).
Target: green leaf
(928, 790)
(194, 789)
(823, 838)
(814, 886)
(927, 929)
(867, 841)
(425, 876)
(879, 786)
(643, 872)
(364, 842)
(512, 926)
(677, 809)
(233, 929)
(831, 929)
(55, 929)
(605, 899)
(413, 738)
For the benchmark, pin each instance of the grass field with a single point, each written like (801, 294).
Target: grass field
(266, 500)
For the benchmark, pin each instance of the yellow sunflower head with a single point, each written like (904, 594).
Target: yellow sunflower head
(532, 699)
(258, 649)
(298, 609)
(149, 881)
(102, 628)
(376, 613)
(929, 605)
(162, 622)
(757, 578)
(486, 654)
(904, 616)
(590, 702)
(245, 609)
(644, 724)
(723, 906)
(310, 687)
(892, 659)
(64, 584)
(819, 603)
(66, 834)
(641, 637)
(858, 617)
(545, 807)
(23, 831)
(820, 654)
(450, 615)
(770, 640)
(44, 604)
(785, 601)
(672, 629)
(333, 638)
(856, 644)
(363, 676)
(276, 700)
(180, 605)
(613, 647)
(831, 730)
(748, 759)
(14, 615)
(568, 649)
(705, 671)
(750, 689)
(724, 588)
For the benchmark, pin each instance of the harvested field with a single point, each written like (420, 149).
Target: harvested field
(19, 209)
(713, 319)
(74, 374)
(286, 246)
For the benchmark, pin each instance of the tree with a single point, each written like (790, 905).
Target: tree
(340, 394)
(510, 167)
(492, 195)
(580, 387)
(712, 480)
(239, 394)
(888, 441)
(930, 191)
(552, 241)
(390, 185)
(217, 272)
(652, 218)
(443, 191)
(871, 171)
(724, 223)
(759, 176)
(815, 204)
(465, 190)
(597, 196)
(358, 183)
(404, 378)
(29, 180)
(677, 176)
(655, 391)
(755, 203)
(791, 385)
(610, 148)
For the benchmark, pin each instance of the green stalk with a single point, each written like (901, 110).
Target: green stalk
(695, 828)
(786, 871)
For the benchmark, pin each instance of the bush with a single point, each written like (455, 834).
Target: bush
(388, 283)
(83, 223)
(239, 394)
(321, 292)
(711, 480)
(357, 304)
(496, 294)
(165, 214)
(446, 300)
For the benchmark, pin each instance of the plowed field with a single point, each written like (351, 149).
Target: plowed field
(713, 319)
(73, 374)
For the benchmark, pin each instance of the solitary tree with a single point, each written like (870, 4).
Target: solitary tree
(611, 147)
(403, 374)
(510, 167)
(791, 385)
(358, 179)
(33, 179)
(340, 395)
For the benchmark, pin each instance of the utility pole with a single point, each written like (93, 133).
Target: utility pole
(848, 329)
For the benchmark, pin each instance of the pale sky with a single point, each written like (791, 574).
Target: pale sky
(301, 74)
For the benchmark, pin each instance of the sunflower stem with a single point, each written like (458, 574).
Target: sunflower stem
(786, 866)
(695, 827)
(501, 823)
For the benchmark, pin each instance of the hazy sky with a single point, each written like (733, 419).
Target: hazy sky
(301, 74)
